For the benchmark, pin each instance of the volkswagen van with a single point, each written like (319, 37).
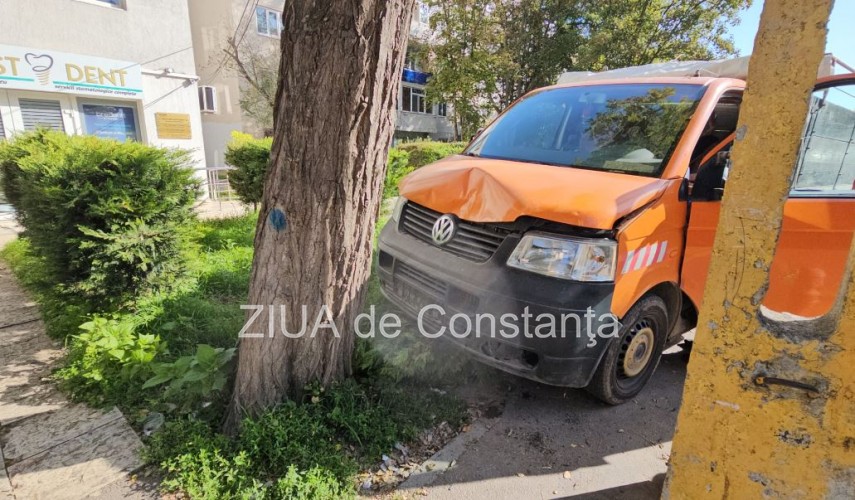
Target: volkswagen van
(597, 200)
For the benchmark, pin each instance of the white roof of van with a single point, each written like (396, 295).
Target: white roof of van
(722, 68)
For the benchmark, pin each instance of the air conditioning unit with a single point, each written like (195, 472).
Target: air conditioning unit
(207, 99)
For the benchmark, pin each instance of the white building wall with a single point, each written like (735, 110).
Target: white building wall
(166, 94)
(153, 36)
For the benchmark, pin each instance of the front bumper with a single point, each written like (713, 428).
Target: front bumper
(557, 320)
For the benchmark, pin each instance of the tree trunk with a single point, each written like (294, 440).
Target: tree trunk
(334, 118)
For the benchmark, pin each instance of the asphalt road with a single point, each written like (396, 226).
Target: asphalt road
(551, 442)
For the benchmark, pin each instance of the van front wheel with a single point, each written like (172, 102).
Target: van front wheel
(632, 358)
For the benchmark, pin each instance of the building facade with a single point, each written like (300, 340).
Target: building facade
(255, 28)
(120, 69)
(417, 117)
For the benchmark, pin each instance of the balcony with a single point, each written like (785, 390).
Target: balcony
(413, 76)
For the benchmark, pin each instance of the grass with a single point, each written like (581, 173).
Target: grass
(299, 449)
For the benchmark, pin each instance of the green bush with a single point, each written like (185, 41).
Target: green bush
(249, 157)
(193, 379)
(422, 153)
(105, 217)
(108, 359)
(397, 167)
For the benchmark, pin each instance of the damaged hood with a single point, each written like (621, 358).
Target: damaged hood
(488, 190)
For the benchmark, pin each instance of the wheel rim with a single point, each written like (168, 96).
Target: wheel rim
(637, 350)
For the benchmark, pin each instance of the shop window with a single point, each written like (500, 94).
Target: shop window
(110, 121)
(413, 100)
(268, 22)
(827, 160)
(38, 113)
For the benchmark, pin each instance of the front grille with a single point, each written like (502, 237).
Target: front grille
(474, 241)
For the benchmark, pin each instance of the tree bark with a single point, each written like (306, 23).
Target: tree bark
(339, 77)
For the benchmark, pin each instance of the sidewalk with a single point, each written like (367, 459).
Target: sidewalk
(9, 229)
(50, 447)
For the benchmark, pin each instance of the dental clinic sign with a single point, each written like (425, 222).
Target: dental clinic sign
(50, 71)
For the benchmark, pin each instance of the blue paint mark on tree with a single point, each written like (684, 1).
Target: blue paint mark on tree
(277, 219)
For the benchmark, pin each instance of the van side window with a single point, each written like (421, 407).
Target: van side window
(826, 163)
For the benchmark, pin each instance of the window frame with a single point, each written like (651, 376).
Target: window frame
(267, 12)
(203, 101)
(845, 193)
(420, 97)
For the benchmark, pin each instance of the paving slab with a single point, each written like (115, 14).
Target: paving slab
(27, 400)
(18, 313)
(79, 466)
(44, 431)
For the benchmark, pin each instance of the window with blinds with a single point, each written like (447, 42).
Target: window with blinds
(41, 113)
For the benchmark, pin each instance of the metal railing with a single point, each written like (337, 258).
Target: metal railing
(219, 188)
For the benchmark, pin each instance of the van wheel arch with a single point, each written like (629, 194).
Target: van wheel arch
(672, 295)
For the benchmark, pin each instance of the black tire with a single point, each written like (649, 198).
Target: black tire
(618, 378)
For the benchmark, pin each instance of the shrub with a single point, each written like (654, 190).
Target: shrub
(194, 379)
(397, 167)
(422, 153)
(108, 359)
(249, 156)
(105, 217)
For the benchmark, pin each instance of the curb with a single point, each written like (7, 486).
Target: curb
(444, 459)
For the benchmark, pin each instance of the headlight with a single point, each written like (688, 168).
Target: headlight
(568, 258)
(399, 207)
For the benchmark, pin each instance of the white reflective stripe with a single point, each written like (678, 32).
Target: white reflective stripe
(651, 254)
(628, 261)
(645, 256)
(662, 251)
(640, 257)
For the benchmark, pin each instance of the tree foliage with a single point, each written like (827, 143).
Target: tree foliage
(487, 53)
(257, 67)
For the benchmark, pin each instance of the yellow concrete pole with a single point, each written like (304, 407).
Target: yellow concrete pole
(737, 437)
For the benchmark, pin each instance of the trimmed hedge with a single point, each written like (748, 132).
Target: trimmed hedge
(105, 218)
(250, 157)
(422, 153)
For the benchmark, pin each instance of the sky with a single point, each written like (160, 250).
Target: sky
(842, 17)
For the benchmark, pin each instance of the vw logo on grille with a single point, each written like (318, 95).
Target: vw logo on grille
(443, 229)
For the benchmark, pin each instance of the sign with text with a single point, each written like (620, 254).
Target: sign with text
(172, 125)
(51, 71)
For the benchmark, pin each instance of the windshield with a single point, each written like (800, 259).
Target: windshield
(628, 128)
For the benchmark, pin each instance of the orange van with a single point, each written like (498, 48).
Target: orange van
(598, 201)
